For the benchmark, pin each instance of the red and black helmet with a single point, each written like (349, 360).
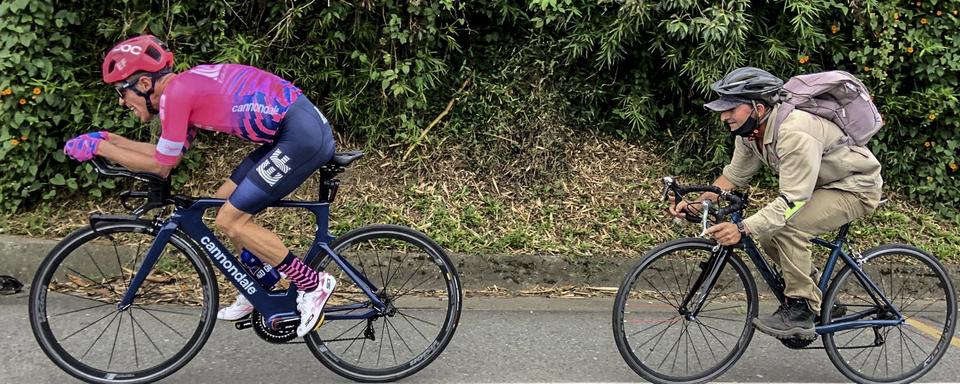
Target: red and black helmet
(144, 53)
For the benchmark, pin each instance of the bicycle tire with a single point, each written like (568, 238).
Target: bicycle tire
(735, 274)
(53, 285)
(399, 241)
(920, 273)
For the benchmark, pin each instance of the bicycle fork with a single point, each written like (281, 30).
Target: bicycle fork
(709, 274)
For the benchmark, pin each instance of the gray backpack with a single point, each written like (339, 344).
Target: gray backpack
(837, 96)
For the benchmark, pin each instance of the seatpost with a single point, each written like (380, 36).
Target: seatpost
(328, 185)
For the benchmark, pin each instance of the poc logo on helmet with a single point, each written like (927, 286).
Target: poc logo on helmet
(132, 49)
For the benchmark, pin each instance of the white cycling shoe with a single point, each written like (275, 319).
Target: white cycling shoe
(236, 311)
(310, 304)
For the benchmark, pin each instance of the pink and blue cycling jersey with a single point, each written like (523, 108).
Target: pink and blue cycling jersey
(236, 99)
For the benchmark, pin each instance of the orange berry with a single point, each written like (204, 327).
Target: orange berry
(939, 12)
(867, 69)
(954, 166)
(932, 117)
(909, 49)
(923, 20)
(36, 91)
(834, 28)
(23, 138)
(14, 142)
(23, 101)
(927, 144)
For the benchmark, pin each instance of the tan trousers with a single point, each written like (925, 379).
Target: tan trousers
(790, 247)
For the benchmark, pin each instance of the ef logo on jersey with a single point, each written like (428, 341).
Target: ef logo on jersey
(274, 168)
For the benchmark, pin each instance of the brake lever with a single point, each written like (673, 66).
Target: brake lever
(667, 182)
(705, 216)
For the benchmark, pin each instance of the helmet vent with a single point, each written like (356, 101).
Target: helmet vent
(153, 53)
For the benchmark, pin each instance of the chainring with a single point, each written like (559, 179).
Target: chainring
(276, 336)
(796, 342)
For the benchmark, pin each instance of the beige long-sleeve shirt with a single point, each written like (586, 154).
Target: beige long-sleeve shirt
(796, 154)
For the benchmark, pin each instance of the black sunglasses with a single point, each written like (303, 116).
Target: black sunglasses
(122, 88)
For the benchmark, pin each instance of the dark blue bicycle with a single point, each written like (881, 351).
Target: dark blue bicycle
(683, 313)
(130, 299)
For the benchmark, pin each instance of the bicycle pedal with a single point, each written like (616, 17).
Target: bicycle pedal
(799, 337)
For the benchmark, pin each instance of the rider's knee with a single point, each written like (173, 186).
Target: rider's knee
(230, 222)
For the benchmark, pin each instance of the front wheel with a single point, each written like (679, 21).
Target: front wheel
(74, 297)
(918, 286)
(415, 278)
(662, 343)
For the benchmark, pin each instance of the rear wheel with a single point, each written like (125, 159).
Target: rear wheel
(417, 281)
(918, 286)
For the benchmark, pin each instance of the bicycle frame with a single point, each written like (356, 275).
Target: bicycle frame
(275, 306)
(709, 273)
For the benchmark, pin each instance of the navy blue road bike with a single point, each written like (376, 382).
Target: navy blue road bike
(683, 312)
(131, 298)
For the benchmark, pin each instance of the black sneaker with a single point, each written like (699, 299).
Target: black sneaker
(793, 319)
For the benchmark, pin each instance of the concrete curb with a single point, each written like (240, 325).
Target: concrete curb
(20, 257)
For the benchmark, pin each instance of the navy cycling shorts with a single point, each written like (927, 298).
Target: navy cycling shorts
(304, 143)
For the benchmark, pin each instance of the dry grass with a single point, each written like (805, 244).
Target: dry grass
(603, 201)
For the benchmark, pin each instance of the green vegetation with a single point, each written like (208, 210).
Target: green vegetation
(493, 125)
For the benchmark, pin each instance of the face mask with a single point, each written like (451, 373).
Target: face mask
(747, 128)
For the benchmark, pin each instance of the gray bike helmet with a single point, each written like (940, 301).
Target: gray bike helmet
(743, 86)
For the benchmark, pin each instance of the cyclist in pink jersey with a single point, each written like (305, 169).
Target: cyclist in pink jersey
(254, 105)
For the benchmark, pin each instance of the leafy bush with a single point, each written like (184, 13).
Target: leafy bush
(498, 79)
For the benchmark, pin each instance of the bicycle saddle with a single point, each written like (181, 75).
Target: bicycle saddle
(344, 159)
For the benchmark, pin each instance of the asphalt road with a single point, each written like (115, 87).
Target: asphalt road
(499, 340)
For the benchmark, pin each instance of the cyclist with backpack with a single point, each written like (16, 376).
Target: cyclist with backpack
(254, 105)
(826, 176)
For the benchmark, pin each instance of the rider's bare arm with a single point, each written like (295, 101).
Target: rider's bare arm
(134, 156)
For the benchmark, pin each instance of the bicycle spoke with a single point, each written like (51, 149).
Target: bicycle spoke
(665, 299)
(166, 311)
(100, 335)
(408, 278)
(719, 330)
(99, 285)
(94, 262)
(417, 319)
(380, 349)
(710, 331)
(150, 339)
(404, 317)
(393, 351)
(658, 338)
(116, 336)
(89, 325)
(380, 269)
(720, 309)
(345, 332)
(717, 318)
(123, 277)
(707, 342)
(657, 323)
(161, 321)
(133, 334)
(400, 336)
(78, 310)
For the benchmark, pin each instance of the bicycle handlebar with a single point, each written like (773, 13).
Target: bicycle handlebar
(104, 168)
(157, 193)
(736, 203)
